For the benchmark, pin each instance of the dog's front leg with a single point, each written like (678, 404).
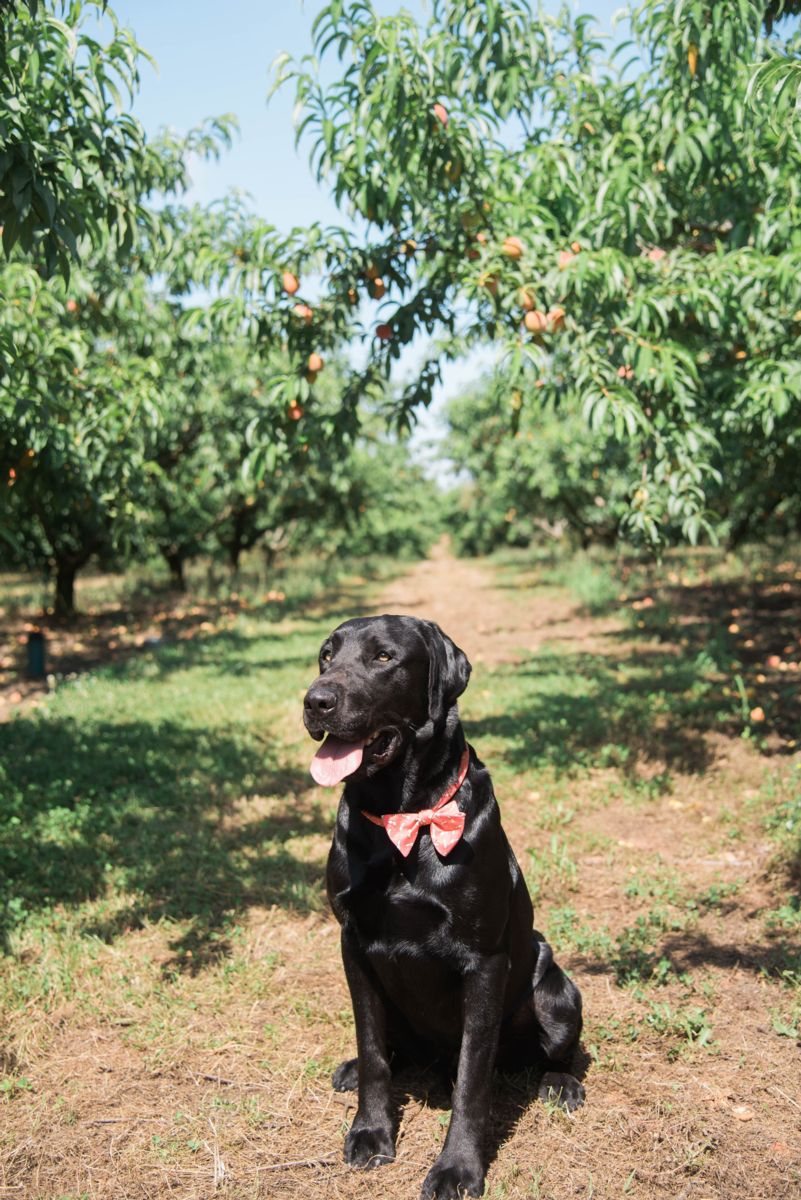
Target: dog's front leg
(459, 1170)
(371, 1139)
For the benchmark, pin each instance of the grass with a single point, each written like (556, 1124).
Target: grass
(128, 783)
(171, 971)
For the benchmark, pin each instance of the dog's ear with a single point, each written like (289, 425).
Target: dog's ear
(448, 671)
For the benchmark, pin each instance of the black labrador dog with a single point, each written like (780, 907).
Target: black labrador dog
(438, 943)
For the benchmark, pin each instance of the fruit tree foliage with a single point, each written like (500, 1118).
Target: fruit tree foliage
(75, 167)
(550, 477)
(632, 201)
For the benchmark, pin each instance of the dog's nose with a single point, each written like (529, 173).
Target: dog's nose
(320, 699)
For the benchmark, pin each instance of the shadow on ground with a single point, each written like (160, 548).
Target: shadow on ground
(748, 627)
(580, 710)
(687, 661)
(145, 809)
(675, 953)
(183, 630)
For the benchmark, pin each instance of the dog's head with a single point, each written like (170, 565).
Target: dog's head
(382, 680)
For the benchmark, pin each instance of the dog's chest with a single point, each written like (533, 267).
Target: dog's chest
(389, 909)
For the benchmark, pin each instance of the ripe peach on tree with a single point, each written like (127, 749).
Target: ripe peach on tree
(536, 321)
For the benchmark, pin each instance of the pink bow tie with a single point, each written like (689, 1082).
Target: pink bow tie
(444, 818)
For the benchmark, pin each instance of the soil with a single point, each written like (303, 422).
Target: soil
(490, 624)
(666, 1116)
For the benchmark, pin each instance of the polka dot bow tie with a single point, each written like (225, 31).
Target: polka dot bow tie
(445, 820)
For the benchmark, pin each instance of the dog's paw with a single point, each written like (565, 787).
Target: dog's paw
(369, 1148)
(346, 1076)
(453, 1176)
(560, 1088)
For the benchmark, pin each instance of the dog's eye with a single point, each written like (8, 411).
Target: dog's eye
(382, 656)
(326, 656)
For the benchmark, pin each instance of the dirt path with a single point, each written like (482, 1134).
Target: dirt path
(492, 624)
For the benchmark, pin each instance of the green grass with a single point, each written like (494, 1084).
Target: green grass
(577, 711)
(592, 582)
(173, 780)
(128, 781)
(681, 1028)
(551, 866)
(121, 791)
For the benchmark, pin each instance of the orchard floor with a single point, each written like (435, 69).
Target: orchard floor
(171, 1018)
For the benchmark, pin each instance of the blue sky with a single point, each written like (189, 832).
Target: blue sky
(215, 58)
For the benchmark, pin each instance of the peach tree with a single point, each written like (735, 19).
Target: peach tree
(111, 375)
(550, 478)
(619, 222)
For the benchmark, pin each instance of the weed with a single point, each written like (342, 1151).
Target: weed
(651, 787)
(13, 1085)
(604, 1039)
(551, 868)
(662, 885)
(634, 959)
(686, 1028)
(613, 755)
(787, 1024)
(784, 820)
(556, 816)
(787, 916)
(593, 584)
(714, 897)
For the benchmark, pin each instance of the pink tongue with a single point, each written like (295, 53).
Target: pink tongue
(335, 760)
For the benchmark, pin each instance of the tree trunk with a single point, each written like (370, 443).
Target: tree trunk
(175, 561)
(64, 599)
(236, 543)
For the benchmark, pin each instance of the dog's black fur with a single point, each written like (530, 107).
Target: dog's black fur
(440, 953)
